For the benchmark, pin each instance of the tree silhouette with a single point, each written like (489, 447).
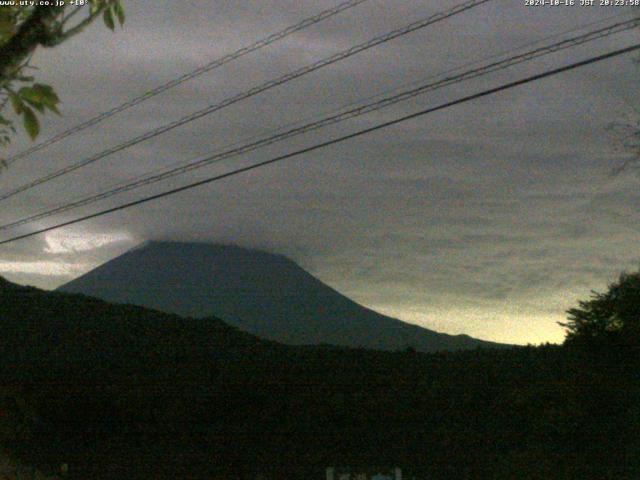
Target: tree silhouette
(610, 318)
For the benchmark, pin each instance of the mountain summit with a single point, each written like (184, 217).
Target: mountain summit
(261, 293)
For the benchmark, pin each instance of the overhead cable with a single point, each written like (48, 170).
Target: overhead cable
(249, 93)
(333, 141)
(333, 119)
(307, 22)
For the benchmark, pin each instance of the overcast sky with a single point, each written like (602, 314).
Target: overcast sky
(490, 218)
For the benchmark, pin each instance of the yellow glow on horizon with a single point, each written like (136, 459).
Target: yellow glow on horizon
(504, 325)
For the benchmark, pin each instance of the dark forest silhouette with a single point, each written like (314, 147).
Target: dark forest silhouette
(118, 391)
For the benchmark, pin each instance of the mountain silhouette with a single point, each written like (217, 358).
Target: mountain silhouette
(262, 293)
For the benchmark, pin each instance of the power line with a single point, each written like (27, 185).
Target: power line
(370, 98)
(307, 22)
(252, 92)
(333, 119)
(334, 141)
(590, 36)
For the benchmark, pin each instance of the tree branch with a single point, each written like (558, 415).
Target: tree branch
(34, 31)
(68, 17)
(62, 36)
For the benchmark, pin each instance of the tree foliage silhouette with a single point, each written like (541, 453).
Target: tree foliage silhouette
(610, 318)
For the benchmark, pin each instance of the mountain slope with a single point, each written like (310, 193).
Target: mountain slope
(56, 334)
(265, 294)
(85, 382)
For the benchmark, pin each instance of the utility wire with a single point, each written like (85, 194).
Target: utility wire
(370, 98)
(307, 22)
(334, 141)
(333, 119)
(251, 92)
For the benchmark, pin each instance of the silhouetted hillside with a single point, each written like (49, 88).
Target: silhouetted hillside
(261, 293)
(122, 392)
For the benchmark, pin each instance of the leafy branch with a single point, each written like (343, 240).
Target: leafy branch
(22, 30)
